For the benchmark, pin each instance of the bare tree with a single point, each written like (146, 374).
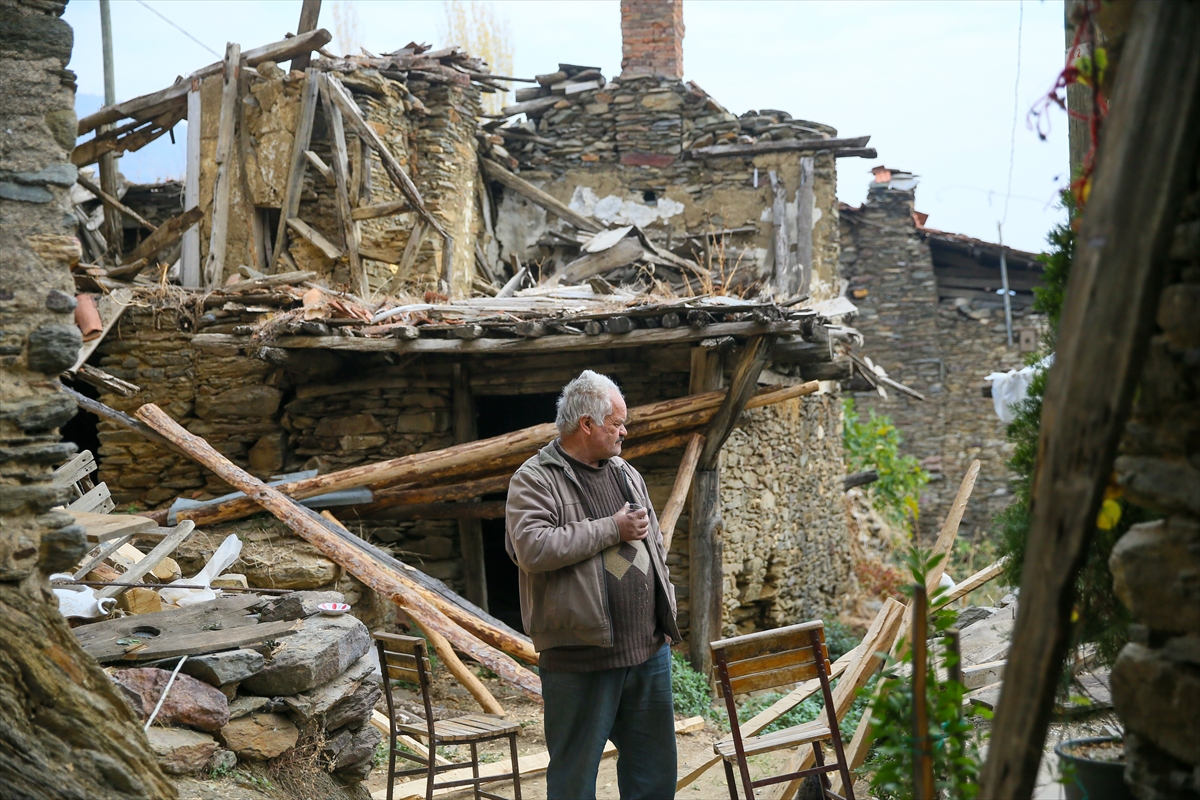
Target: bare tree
(345, 27)
(477, 27)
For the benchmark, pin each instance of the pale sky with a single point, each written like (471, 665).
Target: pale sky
(931, 82)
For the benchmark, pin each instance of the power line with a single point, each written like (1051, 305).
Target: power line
(1012, 146)
(181, 30)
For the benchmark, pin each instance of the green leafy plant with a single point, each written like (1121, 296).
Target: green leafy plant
(953, 741)
(874, 443)
(690, 690)
(1099, 616)
(840, 639)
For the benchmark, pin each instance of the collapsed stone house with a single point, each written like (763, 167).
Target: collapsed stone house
(930, 304)
(700, 203)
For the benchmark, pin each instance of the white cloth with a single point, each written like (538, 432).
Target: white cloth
(1010, 388)
(221, 560)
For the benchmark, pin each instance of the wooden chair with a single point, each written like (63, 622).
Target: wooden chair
(405, 658)
(763, 661)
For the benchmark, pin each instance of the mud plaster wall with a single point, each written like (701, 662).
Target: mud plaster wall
(934, 348)
(614, 145)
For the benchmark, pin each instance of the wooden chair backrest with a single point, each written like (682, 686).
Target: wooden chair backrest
(768, 659)
(405, 658)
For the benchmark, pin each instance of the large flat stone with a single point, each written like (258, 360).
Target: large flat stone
(298, 605)
(190, 702)
(219, 669)
(353, 762)
(347, 698)
(1156, 574)
(181, 751)
(322, 649)
(260, 736)
(242, 401)
(986, 641)
(1157, 696)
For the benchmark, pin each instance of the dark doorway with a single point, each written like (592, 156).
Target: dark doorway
(83, 428)
(500, 414)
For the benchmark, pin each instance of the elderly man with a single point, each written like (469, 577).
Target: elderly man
(596, 600)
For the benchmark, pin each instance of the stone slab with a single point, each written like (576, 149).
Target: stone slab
(219, 669)
(181, 751)
(322, 649)
(260, 736)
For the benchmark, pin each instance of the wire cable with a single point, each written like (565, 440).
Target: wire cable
(1012, 146)
(181, 30)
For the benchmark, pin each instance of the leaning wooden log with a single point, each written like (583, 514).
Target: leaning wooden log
(337, 545)
(478, 458)
(276, 51)
(112, 203)
(536, 195)
(166, 235)
(679, 492)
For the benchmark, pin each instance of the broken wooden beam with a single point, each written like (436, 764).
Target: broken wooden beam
(314, 237)
(164, 236)
(276, 51)
(541, 198)
(214, 265)
(344, 549)
(113, 203)
(679, 492)
(295, 180)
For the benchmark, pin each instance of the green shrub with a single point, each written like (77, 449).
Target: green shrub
(840, 639)
(874, 443)
(690, 689)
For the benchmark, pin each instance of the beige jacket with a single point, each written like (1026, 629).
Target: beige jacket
(564, 601)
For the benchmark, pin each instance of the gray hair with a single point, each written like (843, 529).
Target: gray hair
(589, 395)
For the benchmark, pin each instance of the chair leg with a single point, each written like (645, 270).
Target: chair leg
(432, 766)
(516, 770)
(475, 768)
(819, 757)
(391, 779)
(730, 780)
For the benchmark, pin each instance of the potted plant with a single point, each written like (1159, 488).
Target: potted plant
(1094, 768)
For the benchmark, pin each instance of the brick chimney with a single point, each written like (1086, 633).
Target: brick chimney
(652, 38)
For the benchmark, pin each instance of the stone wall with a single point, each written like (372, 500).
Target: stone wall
(619, 153)
(66, 731)
(942, 349)
(1156, 565)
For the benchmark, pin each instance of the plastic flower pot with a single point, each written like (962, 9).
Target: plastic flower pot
(1095, 769)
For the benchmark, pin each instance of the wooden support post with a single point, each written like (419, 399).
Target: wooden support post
(189, 259)
(923, 788)
(310, 12)
(679, 492)
(470, 531)
(779, 237)
(295, 179)
(214, 265)
(742, 386)
(705, 556)
(1146, 158)
(805, 203)
(341, 176)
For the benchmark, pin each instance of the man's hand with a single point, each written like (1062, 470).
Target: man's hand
(633, 523)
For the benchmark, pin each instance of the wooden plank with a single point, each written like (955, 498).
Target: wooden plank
(103, 552)
(104, 381)
(528, 766)
(624, 252)
(314, 238)
(101, 639)
(380, 721)
(1146, 159)
(276, 51)
(783, 271)
(756, 655)
(214, 265)
(152, 559)
(705, 578)
(770, 679)
(972, 583)
(341, 177)
(166, 235)
(805, 203)
(310, 12)
(104, 527)
(781, 146)
(641, 337)
(679, 492)
(470, 531)
(541, 198)
(380, 210)
(360, 559)
(189, 258)
(267, 281)
(320, 166)
(295, 181)
(742, 385)
(173, 645)
(113, 203)
(98, 500)
(75, 470)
